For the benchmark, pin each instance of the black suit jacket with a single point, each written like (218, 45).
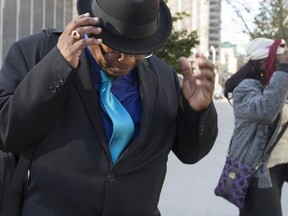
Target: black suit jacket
(47, 105)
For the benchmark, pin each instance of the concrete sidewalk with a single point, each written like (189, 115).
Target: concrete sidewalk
(189, 189)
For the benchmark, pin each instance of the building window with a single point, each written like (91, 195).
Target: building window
(20, 18)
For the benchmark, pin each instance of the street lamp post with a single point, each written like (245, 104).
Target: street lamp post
(212, 48)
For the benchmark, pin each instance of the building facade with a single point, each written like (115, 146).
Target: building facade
(20, 18)
(214, 28)
(204, 18)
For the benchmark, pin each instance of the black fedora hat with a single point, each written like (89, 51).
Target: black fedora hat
(130, 26)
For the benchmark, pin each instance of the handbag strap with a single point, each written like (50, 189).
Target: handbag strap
(279, 135)
(268, 151)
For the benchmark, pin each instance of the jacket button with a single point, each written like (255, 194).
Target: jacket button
(60, 79)
(56, 84)
(111, 178)
(52, 89)
(202, 130)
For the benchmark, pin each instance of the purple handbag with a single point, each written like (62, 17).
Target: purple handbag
(236, 176)
(234, 182)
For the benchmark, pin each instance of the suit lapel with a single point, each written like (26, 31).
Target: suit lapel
(90, 99)
(85, 87)
(148, 84)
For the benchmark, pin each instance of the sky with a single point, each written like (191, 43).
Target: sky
(233, 26)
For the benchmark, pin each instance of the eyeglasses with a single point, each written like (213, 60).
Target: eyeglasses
(104, 53)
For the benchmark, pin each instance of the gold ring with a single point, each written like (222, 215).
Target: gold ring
(75, 34)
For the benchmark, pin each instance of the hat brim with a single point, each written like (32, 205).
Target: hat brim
(134, 46)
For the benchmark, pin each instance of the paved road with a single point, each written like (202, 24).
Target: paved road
(189, 189)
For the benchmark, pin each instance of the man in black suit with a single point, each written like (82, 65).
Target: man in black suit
(53, 103)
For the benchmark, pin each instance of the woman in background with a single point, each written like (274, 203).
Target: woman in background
(259, 91)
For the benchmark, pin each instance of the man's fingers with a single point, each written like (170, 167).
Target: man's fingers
(185, 66)
(82, 20)
(207, 74)
(203, 62)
